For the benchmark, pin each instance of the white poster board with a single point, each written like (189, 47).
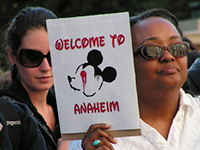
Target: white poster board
(93, 71)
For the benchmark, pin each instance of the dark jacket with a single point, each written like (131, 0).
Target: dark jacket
(194, 78)
(18, 92)
(23, 130)
(5, 143)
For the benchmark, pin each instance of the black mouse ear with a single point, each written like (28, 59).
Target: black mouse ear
(94, 57)
(109, 74)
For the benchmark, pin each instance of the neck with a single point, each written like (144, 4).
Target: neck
(158, 100)
(158, 110)
(39, 99)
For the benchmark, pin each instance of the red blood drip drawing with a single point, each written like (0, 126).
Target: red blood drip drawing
(83, 75)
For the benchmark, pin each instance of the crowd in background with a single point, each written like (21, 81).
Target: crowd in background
(25, 82)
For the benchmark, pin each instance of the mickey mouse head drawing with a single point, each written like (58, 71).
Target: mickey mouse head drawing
(88, 76)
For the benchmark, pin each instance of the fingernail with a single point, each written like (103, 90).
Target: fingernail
(115, 141)
(107, 125)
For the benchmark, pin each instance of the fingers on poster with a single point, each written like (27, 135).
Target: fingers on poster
(89, 77)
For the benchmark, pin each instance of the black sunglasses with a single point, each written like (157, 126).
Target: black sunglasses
(32, 58)
(152, 51)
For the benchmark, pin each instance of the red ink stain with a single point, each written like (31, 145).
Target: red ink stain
(83, 75)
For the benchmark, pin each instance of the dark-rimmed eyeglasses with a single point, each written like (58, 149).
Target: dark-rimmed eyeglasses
(152, 51)
(32, 58)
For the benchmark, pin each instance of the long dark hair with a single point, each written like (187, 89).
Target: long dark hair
(26, 19)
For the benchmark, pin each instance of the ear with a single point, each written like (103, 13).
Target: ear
(11, 56)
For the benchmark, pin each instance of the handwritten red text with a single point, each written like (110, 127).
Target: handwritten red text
(79, 43)
(120, 39)
(98, 107)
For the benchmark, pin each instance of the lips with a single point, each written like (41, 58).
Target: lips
(44, 78)
(169, 70)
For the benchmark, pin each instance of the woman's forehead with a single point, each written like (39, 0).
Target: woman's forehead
(154, 27)
(152, 22)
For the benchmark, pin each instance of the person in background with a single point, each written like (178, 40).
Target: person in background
(29, 55)
(192, 54)
(169, 118)
(192, 85)
(193, 79)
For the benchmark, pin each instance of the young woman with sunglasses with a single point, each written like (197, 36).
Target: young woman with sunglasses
(29, 55)
(169, 118)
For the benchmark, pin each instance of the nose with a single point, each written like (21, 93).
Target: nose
(167, 57)
(45, 66)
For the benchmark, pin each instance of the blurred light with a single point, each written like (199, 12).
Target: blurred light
(194, 4)
(15, 5)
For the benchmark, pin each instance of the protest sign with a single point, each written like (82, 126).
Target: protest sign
(93, 72)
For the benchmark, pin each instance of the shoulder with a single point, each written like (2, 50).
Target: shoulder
(197, 101)
(22, 126)
(9, 95)
(190, 102)
(20, 108)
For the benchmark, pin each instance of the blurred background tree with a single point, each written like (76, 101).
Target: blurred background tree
(70, 8)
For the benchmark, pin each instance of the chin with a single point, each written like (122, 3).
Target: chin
(173, 85)
(45, 87)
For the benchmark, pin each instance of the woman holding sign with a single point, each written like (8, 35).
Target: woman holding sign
(169, 117)
(29, 55)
